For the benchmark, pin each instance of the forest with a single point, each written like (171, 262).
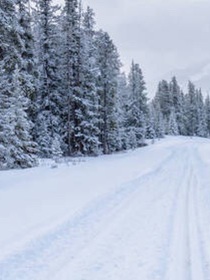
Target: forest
(63, 93)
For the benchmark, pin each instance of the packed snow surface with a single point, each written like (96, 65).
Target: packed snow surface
(144, 214)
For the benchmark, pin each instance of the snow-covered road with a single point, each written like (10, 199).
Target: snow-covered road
(142, 215)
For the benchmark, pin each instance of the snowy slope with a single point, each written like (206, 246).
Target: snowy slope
(144, 214)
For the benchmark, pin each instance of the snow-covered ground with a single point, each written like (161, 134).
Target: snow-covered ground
(143, 214)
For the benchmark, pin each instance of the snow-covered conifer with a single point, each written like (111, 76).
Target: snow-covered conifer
(49, 95)
(18, 148)
(163, 96)
(207, 111)
(109, 66)
(191, 110)
(151, 119)
(137, 104)
(201, 129)
(172, 124)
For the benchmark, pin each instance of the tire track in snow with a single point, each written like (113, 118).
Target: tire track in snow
(200, 213)
(153, 259)
(45, 256)
(48, 252)
(186, 258)
(124, 216)
(197, 259)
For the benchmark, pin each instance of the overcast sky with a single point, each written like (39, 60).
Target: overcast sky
(163, 36)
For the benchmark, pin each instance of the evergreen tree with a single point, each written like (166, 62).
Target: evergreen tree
(177, 104)
(71, 76)
(109, 66)
(49, 98)
(191, 110)
(172, 124)
(151, 133)
(201, 129)
(163, 96)
(28, 68)
(137, 105)
(88, 130)
(181, 118)
(122, 108)
(17, 149)
(159, 121)
(207, 112)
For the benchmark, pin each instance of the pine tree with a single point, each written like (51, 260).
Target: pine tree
(73, 78)
(49, 98)
(28, 69)
(151, 134)
(17, 149)
(109, 66)
(163, 96)
(71, 30)
(137, 105)
(177, 104)
(207, 112)
(191, 110)
(88, 130)
(181, 118)
(159, 121)
(172, 124)
(122, 111)
(201, 129)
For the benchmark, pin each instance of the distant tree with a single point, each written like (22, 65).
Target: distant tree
(172, 124)
(177, 104)
(159, 120)
(207, 112)
(122, 111)
(138, 108)
(191, 110)
(151, 133)
(165, 99)
(201, 129)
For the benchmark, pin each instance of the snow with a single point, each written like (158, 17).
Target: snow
(143, 214)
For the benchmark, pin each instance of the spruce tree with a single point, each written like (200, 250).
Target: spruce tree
(163, 96)
(72, 78)
(177, 104)
(207, 112)
(109, 66)
(49, 100)
(122, 110)
(201, 129)
(172, 124)
(28, 69)
(87, 130)
(159, 120)
(137, 106)
(191, 110)
(151, 119)
(17, 149)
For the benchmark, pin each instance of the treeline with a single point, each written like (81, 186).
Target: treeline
(178, 113)
(62, 92)
(61, 89)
